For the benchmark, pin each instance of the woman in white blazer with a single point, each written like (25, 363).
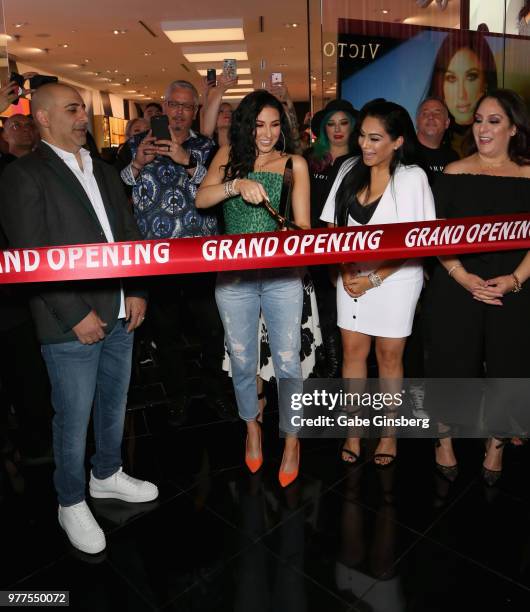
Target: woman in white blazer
(377, 299)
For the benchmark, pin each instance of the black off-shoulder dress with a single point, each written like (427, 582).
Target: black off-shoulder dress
(464, 337)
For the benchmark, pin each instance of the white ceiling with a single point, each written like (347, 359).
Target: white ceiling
(86, 26)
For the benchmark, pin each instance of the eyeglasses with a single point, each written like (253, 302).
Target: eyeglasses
(185, 107)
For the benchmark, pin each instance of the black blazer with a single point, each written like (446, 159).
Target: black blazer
(43, 204)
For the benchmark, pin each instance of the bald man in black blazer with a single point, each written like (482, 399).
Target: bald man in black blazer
(59, 195)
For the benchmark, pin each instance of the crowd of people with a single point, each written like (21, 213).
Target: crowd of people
(246, 171)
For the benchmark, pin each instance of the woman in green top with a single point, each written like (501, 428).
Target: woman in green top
(242, 176)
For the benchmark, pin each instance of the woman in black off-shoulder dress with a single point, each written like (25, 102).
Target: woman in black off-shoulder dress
(477, 306)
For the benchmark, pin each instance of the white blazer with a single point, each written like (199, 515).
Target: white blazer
(407, 197)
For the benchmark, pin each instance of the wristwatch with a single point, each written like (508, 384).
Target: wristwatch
(191, 164)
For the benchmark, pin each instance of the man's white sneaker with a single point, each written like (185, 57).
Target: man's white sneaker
(82, 528)
(124, 487)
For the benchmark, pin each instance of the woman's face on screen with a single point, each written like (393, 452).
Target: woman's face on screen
(464, 84)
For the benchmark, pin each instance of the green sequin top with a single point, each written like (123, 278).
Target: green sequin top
(243, 218)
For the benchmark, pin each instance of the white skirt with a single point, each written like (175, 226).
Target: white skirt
(386, 311)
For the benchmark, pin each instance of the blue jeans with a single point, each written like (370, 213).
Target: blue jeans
(240, 296)
(83, 375)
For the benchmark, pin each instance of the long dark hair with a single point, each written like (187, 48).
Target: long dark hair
(243, 133)
(524, 11)
(397, 122)
(462, 39)
(517, 113)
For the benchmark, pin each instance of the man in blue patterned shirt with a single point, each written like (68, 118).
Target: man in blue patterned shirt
(165, 176)
(165, 181)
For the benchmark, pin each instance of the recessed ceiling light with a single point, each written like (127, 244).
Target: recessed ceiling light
(21, 24)
(116, 70)
(215, 53)
(64, 45)
(119, 32)
(283, 65)
(164, 69)
(86, 60)
(385, 11)
(245, 82)
(127, 80)
(232, 97)
(242, 90)
(291, 25)
(203, 72)
(147, 53)
(131, 91)
(203, 31)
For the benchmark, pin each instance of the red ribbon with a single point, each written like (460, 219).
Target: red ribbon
(266, 250)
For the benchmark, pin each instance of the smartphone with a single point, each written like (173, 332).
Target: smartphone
(160, 127)
(19, 80)
(41, 79)
(276, 78)
(211, 76)
(230, 69)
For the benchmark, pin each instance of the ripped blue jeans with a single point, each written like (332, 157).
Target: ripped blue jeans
(240, 295)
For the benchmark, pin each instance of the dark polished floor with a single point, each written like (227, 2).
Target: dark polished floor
(218, 538)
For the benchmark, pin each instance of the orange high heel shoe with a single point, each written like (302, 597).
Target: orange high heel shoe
(254, 463)
(286, 478)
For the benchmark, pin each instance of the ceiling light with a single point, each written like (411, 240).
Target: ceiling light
(127, 80)
(147, 53)
(164, 69)
(202, 72)
(86, 60)
(245, 82)
(21, 24)
(204, 30)
(232, 97)
(5, 37)
(116, 70)
(215, 53)
(291, 25)
(116, 84)
(119, 32)
(283, 65)
(243, 90)
(64, 45)
(385, 11)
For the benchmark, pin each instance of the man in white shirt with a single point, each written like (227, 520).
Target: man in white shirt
(58, 195)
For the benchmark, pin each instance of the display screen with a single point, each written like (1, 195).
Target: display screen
(406, 63)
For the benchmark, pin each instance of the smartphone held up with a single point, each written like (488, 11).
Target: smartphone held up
(230, 69)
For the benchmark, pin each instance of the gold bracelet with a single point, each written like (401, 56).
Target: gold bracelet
(517, 286)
